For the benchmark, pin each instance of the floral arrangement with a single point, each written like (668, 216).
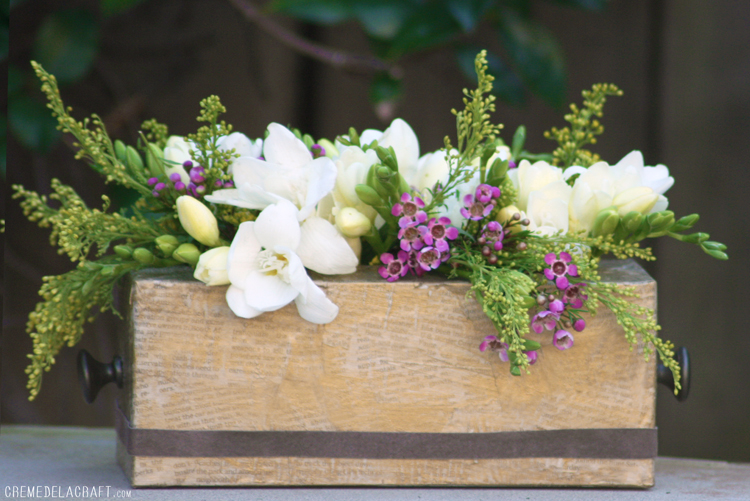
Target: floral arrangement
(526, 230)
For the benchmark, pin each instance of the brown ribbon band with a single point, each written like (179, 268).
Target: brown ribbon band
(604, 443)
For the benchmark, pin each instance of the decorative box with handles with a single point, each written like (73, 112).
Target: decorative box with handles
(393, 392)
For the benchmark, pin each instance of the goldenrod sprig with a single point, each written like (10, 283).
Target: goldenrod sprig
(76, 228)
(584, 127)
(93, 143)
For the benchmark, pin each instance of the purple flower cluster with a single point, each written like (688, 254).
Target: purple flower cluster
(556, 315)
(196, 187)
(423, 246)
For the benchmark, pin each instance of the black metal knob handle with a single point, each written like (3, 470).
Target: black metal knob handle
(93, 375)
(665, 377)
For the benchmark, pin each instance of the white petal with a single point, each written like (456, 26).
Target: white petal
(248, 170)
(661, 204)
(314, 306)
(323, 249)
(236, 302)
(573, 170)
(278, 225)
(232, 196)
(404, 141)
(282, 147)
(267, 292)
(295, 273)
(243, 254)
(321, 178)
(370, 135)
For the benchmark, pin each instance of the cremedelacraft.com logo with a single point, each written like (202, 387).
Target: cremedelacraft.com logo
(61, 492)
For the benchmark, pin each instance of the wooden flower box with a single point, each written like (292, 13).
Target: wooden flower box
(393, 392)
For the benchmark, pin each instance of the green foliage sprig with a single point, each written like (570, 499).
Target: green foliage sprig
(76, 228)
(584, 127)
(69, 301)
(207, 152)
(94, 144)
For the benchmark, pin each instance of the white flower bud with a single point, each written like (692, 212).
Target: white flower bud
(639, 198)
(198, 221)
(176, 152)
(212, 267)
(352, 223)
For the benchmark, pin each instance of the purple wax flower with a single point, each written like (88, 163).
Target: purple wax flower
(574, 295)
(412, 261)
(512, 164)
(579, 325)
(494, 344)
(394, 268)
(410, 211)
(152, 181)
(562, 340)
(317, 151)
(430, 258)
(228, 184)
(187, 165)
(437, 233)
(494, 234)
(486, 193)
(179, 186)
(411, 236)
(175, 177)
(559, 268)
(218, 183)
(474, 209)
(544, 320)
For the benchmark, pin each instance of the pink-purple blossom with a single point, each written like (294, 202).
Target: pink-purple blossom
(493, 234)
(409, 210)
(411, 236)
(395, 267)
(562, 340)
(486, 193)
(430, 258)
(532, 356)
(579, 324)
(474, 209)
(438, 232)
(494, 344)
(559, 269)
(544, 320)
(574, 295)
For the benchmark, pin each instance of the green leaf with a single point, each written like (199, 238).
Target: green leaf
(428, 26)
(530, 345)
(507, 85)
(31, 123)
(536, 55)
(314, 11)
(67, 43)
(382, 18)
(113, 7)
(468, 12)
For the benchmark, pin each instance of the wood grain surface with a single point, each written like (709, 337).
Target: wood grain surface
(400, 357)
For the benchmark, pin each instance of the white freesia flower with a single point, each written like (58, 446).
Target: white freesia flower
(628, 185)
(212, 266)
(266, 268)
(530, 177)
(177, 152)
(198, 220)
(431, 168)
(289, 173)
